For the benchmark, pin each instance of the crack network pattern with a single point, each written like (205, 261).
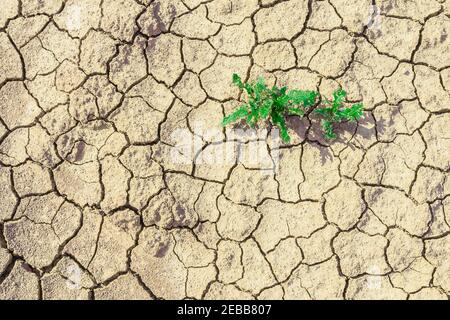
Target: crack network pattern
(92, 205)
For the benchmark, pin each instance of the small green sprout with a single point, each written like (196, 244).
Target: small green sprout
(335, 112)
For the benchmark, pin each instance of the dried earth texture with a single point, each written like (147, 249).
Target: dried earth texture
(110, 112)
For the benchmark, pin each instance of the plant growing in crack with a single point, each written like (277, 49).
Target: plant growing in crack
(334, 112)
(274, 104)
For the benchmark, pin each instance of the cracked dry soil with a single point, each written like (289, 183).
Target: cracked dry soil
(92, 206)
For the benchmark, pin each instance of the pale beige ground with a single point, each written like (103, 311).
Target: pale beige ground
(92, 204)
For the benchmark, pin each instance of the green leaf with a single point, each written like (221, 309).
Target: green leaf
(253, 117)
(328, 129)
(307, 98)
(238, 81)
(266, 108)
(239, 113)
(296, 111)
(352, 113)
(282, 100)
(339, 96)
(279, 121)
(260, 84)
(260, 89)
(334, 112)
(356, 112)
(249, 89)
(251, 120)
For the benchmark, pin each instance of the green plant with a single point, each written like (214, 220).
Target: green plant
(334, 112)
(274, 104)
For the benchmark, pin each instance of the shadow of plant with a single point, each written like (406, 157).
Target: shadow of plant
(308, 130)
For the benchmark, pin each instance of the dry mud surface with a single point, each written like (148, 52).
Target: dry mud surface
(100, 200)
